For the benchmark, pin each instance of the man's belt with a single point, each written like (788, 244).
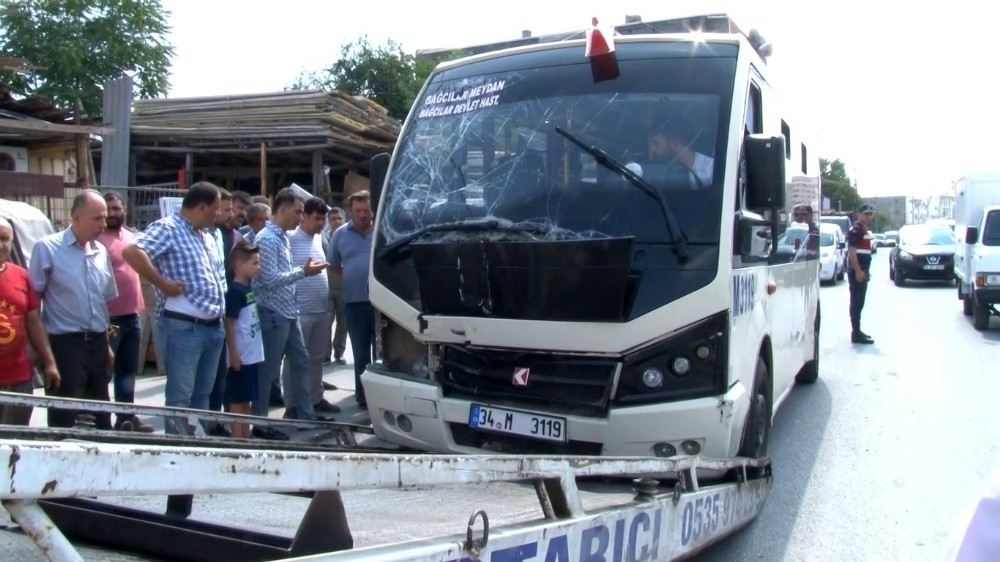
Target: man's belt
(191, 319)
(82, 336)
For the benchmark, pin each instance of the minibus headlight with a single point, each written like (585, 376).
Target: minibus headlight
(690, 364)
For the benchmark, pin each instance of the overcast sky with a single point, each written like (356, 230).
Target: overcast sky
(908, 100)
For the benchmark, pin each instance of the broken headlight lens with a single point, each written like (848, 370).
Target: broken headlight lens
(402, 353)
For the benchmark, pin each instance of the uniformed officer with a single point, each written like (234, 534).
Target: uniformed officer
(859, 259)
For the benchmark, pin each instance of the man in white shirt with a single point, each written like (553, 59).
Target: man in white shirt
(312, 297)
(673, 145)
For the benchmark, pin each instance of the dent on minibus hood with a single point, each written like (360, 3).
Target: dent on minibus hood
(581, 279)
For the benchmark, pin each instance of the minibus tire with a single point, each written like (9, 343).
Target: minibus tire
(757, 427)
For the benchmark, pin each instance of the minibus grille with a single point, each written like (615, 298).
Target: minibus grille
(566, 384)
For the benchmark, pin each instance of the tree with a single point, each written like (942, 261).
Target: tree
(384, 73)
(837, 186)
(75, 46)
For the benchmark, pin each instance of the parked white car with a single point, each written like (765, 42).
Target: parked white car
(832, 248)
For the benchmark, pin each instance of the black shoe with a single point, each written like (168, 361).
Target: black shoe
(859, 337)
(325, 407)
(864, 335)
(218, 430)
(132, 423)
(290, 414)
(329, 386)
(269, 433)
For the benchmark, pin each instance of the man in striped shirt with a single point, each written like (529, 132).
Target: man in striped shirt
(279, 313)
(312, 298)
(178, 256)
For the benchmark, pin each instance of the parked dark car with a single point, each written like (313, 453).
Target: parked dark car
(923, 252)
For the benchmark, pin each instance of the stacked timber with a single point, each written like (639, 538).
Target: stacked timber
(351, 125)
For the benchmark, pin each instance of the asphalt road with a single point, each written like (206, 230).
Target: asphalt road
(875, 461)
(879, 458)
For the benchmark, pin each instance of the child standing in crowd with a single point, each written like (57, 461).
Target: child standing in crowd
(243, 344)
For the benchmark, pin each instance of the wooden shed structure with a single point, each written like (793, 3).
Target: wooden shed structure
(44, 152)
(260, 142)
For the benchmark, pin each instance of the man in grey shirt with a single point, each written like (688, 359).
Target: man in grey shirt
(72, 273)
(349, 256)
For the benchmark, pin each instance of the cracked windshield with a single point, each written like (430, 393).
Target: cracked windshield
(484, 157)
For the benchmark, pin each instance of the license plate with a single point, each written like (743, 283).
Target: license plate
(527, 424)
(934, 267)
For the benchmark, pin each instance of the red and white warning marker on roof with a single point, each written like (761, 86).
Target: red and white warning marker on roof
(601, 52)
(597, 44)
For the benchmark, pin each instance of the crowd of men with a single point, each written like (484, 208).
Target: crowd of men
(247, 293)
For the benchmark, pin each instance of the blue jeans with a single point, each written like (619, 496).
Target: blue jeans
(191, 358)
(361, 328)
(126, 347)
(282, 339)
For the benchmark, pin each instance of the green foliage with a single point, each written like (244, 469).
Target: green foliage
(78, 45)
(837, 186)
(384, 73)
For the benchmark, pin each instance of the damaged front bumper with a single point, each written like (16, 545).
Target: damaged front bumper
(414, 413)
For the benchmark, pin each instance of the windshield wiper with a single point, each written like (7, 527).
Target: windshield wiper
(677, 238)
(480, 225)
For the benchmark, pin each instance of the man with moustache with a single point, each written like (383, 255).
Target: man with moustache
(124, 311)
(241, 203)
(349, 256)
(226, 237)
(72, 272)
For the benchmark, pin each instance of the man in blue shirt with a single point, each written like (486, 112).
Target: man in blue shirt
(279, 313)
(349, 255)
(72, 273)
(178, 256)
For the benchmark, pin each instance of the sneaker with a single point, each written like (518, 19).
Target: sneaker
(860, 337)
(268, 433)
(326, 407)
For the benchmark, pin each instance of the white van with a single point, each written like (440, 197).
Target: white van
(977, 254)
